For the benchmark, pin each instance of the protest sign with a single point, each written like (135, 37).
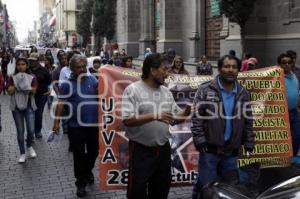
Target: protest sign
(271, 124)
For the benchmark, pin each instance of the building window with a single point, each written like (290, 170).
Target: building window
(294, 10)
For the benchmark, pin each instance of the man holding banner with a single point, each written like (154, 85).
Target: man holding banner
(221, 124)
(285, 61)
(148, 108)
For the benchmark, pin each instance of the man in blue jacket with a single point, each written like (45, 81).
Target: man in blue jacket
(80, 94)
(221, 124)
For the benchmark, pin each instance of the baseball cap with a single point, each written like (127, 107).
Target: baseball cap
(34, 56)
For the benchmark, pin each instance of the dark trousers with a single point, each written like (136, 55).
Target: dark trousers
(84, 142)
(149, 171)
(294, 115)
(40, 101)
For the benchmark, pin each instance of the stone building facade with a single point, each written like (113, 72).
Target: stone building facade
(161, 24)
(273, 28)
(192, 29)
(66, 11)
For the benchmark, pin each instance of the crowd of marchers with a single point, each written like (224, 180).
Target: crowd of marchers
(34, 80)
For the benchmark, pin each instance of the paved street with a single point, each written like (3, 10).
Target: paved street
(50, 175)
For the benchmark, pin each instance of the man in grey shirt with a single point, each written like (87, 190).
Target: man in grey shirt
(148, 108)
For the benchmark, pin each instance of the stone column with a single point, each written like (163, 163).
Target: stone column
(225, 29)
(195, 35)
(128, 26)
(170, 32)
(147, 26)
(230, 38)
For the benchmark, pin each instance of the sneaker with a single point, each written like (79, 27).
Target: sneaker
(22, 159)
(81, 192)
(31, 152)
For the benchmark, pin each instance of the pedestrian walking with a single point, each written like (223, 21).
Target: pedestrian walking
(244, 66)
(65, 72)
(204, 67)
(127, 62)
(64, 76)
(177, 66)
(252, 64)
(62, 62)
(123, 53)
(232, 52)
(115, 59)
(148, 108)
(147, 52)
(42, 92)
(58, 54)
(285, 61)
(33, 49)
(1, 89)
(81, 93)
(96, 65)
(104, 55)
(49, 65)
(170, 55)
(295, 68)
(48, 53)
(22, 86)
(1, 82)
(56, 75)
(218, 132)
(4, 63)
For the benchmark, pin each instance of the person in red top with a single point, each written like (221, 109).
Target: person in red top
(245, 62)
(252, 64)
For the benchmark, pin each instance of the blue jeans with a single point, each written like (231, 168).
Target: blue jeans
(19, 117)
(294, 115)
(213, 167)
(40, 101)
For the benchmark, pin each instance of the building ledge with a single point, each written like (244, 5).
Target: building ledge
(273, 37)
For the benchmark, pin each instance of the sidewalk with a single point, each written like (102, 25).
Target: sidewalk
(50, 175)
